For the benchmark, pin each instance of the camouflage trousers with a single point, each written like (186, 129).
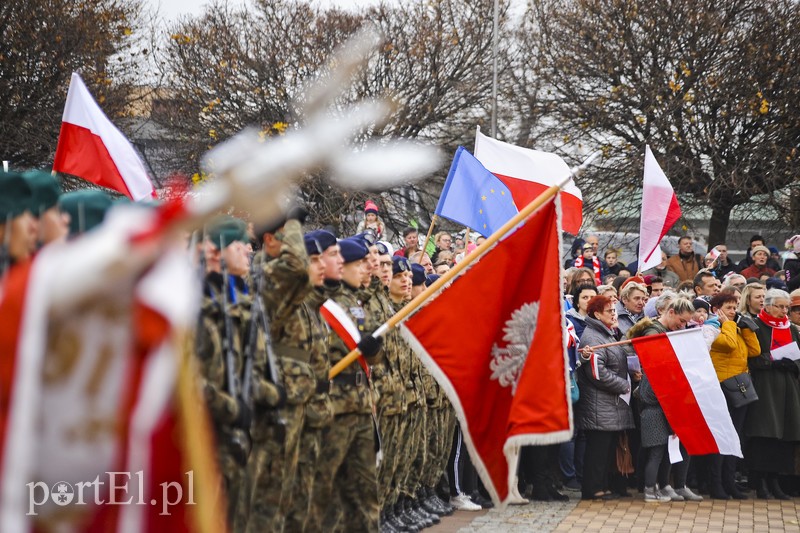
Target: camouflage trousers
(231, 473)
(302, 510)
(346, 484)
(267, 495)
(392, 455)
(438, 446)
(411, 446)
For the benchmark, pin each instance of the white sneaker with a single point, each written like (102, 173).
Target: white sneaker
(688, 495)
(671, 494)
(463, 503)
(651, 495)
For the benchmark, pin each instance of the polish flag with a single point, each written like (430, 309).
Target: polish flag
(508, 384)
(528, 173)
(680, 371)
(91, 147)
(660, 210)
(340, 322)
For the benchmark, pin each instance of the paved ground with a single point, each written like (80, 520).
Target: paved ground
(632, 515)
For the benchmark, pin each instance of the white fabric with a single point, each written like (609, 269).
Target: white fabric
(657, 195)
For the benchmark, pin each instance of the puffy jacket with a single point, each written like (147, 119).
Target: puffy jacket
(601, 380)
(625, 318)
(730, 350)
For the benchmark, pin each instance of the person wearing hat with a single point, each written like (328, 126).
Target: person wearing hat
(225, 317)
(760, 255)
(18, 227)
(348, 461)
(794, 307)
(371, 220)
(86, 208)
(310, 328)
(53, 223)
(418, 274)
(587, 259)
(280, 278)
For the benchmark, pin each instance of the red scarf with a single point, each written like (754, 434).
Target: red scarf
(781, 331)
(579, 262)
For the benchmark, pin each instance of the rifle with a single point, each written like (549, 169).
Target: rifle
(230, 360)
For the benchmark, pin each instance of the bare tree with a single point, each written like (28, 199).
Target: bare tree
(710, 85)
(43, 42)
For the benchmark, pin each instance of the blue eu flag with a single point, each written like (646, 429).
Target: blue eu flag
(475, 197)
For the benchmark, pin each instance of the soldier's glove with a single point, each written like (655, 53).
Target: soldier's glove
(298, 213)
(746, 322)
(245, 416)
(369, 345)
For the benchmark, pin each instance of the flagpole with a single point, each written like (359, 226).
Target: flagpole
(430, 291)
(495, 31)
(428, 236)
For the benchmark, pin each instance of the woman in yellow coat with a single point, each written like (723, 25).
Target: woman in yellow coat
(730, 351)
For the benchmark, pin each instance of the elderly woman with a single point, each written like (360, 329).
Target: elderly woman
(600, 412)
(752, 299)
(630, 308)
(655, 431)
(773, 422)
(730, 351)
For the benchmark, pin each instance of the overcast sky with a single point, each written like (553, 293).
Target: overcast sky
(172, 9)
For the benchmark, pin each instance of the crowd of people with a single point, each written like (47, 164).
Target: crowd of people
(378, 446)
(747, 312)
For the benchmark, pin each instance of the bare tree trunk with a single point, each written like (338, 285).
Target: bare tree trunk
(718, 225)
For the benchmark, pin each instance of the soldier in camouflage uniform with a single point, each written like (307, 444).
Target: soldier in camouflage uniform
(229, 413)
(346, 483)
(276, 441)
(310, 329)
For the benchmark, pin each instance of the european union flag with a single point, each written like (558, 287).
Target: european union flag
(475, 197)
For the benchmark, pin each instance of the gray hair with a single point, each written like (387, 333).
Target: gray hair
(775, 294)
(732, 277)
(664, 300)
(629, 288)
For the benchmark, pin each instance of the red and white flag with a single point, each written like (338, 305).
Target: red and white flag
(508, 379)
(91, 147)
(89, 435)
(680, 371)
(340, 322)
(660, 210)
(528, 173)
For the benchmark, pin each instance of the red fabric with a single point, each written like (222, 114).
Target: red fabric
(674, 393)
(82, 153)
(580, 262)
(528, 264)
(524, 192)
(11, 310)
(781, 330)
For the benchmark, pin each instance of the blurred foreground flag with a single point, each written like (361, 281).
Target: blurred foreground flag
(91, 147)
(508, 384)
(528, 173)
(474, 197)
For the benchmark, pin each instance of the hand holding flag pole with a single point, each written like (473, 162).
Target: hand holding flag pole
(423, 297)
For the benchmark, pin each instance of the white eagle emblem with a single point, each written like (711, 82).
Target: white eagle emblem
(507, 363)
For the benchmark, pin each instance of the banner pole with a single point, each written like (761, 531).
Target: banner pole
(422, 297)
(428, 236)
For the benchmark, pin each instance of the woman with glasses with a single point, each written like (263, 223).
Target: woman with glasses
(773, 422)
(601, 412)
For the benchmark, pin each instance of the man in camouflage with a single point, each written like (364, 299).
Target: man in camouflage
(346, 481)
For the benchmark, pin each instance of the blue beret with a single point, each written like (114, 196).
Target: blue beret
(400, 264)
(417, 274)
(430, 279)
(384, 248)
(368, 236)
(353, 249)
(325, 238)
(313, 247)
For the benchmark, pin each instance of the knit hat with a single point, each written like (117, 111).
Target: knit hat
(776, 283)
(759, 248)
(45, 188)
(793, 243)
(370, 207)
(417, 274)
(353, 249)
(325, 238)
(632, 279)
(400, 264)
(87, 208)
(700, 302)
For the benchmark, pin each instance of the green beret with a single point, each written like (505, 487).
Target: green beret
(46, 191)
(225, 230)
(15, 195)
(87, 208)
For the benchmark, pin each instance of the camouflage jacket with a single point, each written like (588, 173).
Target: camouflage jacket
(348, 398)
(386, 375)
(410, 372)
